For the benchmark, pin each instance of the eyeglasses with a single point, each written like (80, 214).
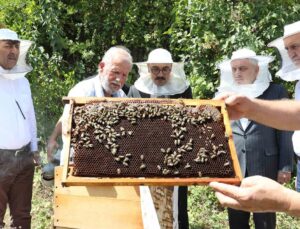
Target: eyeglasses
(156, 70)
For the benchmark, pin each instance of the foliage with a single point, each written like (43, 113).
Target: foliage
(70, 36)
(42, 204)
(205, 211)
(210, 213)
(206, 32)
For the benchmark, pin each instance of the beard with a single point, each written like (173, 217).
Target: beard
(110, 87)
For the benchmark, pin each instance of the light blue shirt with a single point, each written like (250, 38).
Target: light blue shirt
(92, 88)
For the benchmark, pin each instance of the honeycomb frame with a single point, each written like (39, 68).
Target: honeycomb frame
(178, 154)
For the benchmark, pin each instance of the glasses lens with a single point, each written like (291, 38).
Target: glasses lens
(166, 70)
(155, 70)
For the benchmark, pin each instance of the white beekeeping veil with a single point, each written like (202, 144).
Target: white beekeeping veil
(263, 79)
(177, 83)
(289, 71)
(21, 68)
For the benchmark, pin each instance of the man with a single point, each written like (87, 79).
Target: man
(18, 142)
(160, 77)
(113, 70)
(261, 150)
(261, 194)
(289, 48)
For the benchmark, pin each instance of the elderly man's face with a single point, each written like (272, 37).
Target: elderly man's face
(244, 71)
(9, 53)
(292, 45)
(114, 74)
(160, 73)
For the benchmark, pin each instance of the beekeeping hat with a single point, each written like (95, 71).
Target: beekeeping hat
(176, 84)
(21, 68)
(262, 82)
(289, 71)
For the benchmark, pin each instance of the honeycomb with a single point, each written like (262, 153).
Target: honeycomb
(149, 139)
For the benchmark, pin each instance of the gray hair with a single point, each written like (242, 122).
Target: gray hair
(117, 50)
(252, 61)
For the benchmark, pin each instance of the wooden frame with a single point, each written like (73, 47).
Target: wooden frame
(69, 180)
(96, 207)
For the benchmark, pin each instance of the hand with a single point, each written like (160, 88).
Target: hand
(237, 105)
(283, 177)
(256, 194)
(37, 158)
(52, 145)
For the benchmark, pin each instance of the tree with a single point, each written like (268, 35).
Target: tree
(70, 37)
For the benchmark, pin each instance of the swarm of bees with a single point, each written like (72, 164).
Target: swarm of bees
(102, 123)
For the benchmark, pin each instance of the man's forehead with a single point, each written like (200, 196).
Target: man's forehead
(159, 64)
(241, 62)
(291, 39)
(119, 66)
(10, 42)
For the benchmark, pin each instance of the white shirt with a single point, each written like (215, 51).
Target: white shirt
(296, 135)
(244, 122)
(17, 117)
(90, 88)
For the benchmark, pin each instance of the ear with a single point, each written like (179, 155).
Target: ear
(101, 66)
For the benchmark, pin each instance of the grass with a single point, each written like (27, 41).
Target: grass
(42, 210)
(206, 213)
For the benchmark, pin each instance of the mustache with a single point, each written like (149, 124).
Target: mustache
(160, 78)
(12, 56)
(117, 82)
(238, 76)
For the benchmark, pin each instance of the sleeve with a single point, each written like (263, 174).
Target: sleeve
(76, 91)
(32, 124)
(286, 152)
